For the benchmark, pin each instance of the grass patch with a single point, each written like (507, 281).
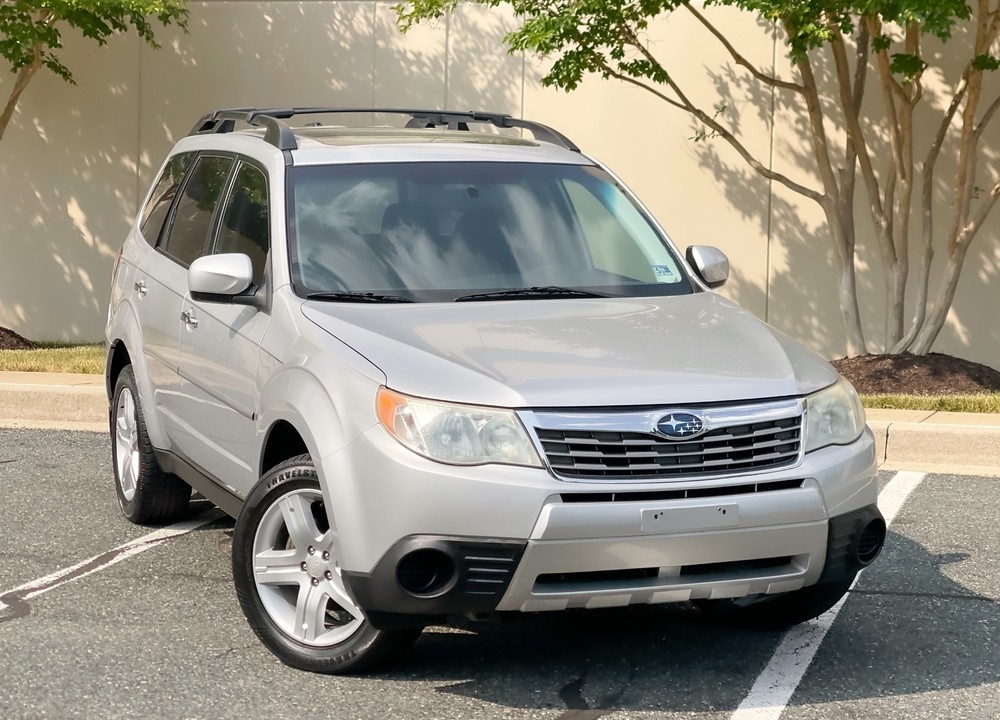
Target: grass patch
(55, 357)
(984, 403)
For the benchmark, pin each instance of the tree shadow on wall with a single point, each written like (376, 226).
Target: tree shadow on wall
(78, 167)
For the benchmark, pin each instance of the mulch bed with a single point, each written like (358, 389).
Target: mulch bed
(932, 374)
(10, 340)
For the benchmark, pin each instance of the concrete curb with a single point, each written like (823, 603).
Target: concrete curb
(53, 399)
(960, 443)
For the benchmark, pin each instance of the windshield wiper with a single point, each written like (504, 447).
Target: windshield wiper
(359, 297)
(548, 291)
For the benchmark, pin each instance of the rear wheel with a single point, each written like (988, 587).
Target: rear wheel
(288, 580)
(778, 611)
(146, 494)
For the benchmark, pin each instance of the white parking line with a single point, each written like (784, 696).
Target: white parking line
(774, 686)
(33, 589)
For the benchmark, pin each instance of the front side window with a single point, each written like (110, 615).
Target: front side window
(437, 232)
(188, 235)
(162, 197)
(245, 219)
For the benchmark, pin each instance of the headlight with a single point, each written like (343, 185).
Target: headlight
(458, 434)
(834, 416)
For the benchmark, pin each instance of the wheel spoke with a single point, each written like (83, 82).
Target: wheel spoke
(296, 511)
(128, 410)
(310, 612)
(278, 567)
(121, 425)
(334, 588)
(127, 473)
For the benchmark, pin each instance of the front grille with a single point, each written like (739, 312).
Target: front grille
(750, 446)
(696, 492)
(636, 578)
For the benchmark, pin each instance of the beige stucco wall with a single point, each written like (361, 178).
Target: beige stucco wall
(77, 158)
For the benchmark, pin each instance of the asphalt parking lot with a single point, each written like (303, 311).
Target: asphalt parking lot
(148, 626)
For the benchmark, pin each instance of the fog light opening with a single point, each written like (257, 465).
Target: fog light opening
(425, 572)
(870, 542)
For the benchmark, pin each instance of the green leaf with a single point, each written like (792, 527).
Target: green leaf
(906, 65)
(985, 63)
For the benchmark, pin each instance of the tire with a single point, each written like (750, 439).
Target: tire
(779, 611)
(146, 494)
(286, 574)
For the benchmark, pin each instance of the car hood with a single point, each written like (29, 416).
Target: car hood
(554, 353)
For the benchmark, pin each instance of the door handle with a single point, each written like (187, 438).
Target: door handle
(189, 319)
(140, 288)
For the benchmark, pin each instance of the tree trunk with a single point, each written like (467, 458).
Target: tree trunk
(946, 294)
(843, 241)
(24, 76)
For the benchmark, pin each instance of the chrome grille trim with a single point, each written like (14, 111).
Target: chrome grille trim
(624, 446)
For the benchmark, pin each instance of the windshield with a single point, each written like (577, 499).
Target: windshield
(439, 232)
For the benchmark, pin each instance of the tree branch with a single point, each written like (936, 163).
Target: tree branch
(21, 81)
(987, 118)
(984, 211)
(687, 106)
(740, 59)
(879, 218)
(967, 160)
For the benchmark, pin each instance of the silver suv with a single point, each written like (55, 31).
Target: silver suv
(436, 372)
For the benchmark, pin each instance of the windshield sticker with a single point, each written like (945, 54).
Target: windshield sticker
(664, 274)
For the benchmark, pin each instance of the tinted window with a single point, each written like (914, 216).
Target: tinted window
(193, 217)
(434, 232)
(155, 212)
(244, 227)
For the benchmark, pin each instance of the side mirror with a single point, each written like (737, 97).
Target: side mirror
(217, 278)
(710, 263)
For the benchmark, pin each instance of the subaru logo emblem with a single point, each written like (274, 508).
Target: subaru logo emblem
(680, 426)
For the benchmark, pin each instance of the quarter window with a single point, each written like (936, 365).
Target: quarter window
(155, 212)
(245, 219)
(193, 218)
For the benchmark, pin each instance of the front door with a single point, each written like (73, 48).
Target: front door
(219, 345)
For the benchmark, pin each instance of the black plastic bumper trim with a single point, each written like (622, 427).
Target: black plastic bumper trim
(483, 571)
(843, 536)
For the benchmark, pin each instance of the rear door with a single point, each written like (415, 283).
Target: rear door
(163, 278)
(156, 305)
(219, 344)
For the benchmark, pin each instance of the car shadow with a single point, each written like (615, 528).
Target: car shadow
(907, 628)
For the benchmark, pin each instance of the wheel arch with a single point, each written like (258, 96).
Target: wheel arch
(124, 349)
(281, 442)
(118, 358)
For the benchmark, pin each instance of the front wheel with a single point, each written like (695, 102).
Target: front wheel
(288, 579)
(779, 611)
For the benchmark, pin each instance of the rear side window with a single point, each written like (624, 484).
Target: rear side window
(188, 235)
(156, 210)
(245, 219)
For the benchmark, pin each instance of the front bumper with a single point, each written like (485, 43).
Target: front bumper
(593, 545)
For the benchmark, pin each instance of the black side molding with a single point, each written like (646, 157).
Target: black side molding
(216, 494)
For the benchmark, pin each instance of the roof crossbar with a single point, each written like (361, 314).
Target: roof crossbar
(281, 136)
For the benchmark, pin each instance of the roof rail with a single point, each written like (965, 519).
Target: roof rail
(281, 136)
